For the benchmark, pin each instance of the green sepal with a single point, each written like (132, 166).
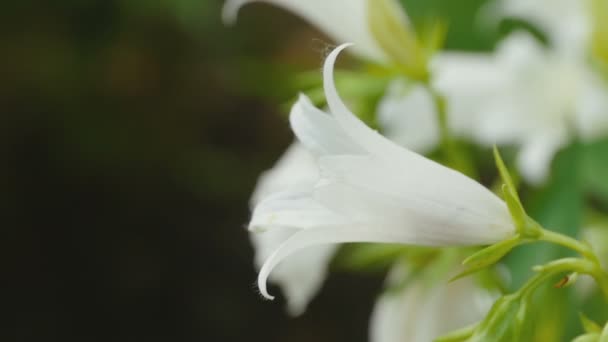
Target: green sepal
(515, 209)
(432, 35)
(487, 256)
(504, 174)
(391, 28)
(588, 325)
(525, 226)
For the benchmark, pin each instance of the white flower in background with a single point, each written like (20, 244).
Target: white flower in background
(406, 114)
(421, 312)
(301, 276)
(373, 190)
(523, 94)
(596, 234)
(567, 23)
(343, 21)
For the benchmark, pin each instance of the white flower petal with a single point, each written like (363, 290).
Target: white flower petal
(407, 116)
(301, 275)
(319, 236)
(566, 22)
(368, 139)
(292, 208)
(592, 111)
(419, 313)
(428, 213)
(343, 21)
(318, 131)
(296, 168)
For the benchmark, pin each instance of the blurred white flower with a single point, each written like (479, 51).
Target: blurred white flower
(523, 94)
(343, 21)
(596, 234)
(301, 276)
(421, 312)
(373, 190)
(567, 23)
(406, 114)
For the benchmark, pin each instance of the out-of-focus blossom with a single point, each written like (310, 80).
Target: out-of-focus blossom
(419, 312)
(406, 114)
(596, 234)
(381, 32)
(567, 23)
(300, 276)
(380, 29)
(343, 21)
(523, 94)
(373, 190)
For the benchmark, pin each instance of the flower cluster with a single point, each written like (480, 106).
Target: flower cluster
(413, 182)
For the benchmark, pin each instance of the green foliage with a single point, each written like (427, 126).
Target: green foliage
(594, 164)
(558, 207)
(368, 257)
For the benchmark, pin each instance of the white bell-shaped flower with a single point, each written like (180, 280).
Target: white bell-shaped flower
(373, 190)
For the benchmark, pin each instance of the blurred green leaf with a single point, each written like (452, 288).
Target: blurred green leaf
(368, 256)
(595, 168)
(557, 207)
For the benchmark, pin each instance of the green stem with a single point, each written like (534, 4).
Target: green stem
(455, 156)
(556, 267)
(566, 241)
(447, 141)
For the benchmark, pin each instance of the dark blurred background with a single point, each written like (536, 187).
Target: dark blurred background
(131, 136)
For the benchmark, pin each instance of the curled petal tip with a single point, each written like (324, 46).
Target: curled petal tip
(263, 289)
